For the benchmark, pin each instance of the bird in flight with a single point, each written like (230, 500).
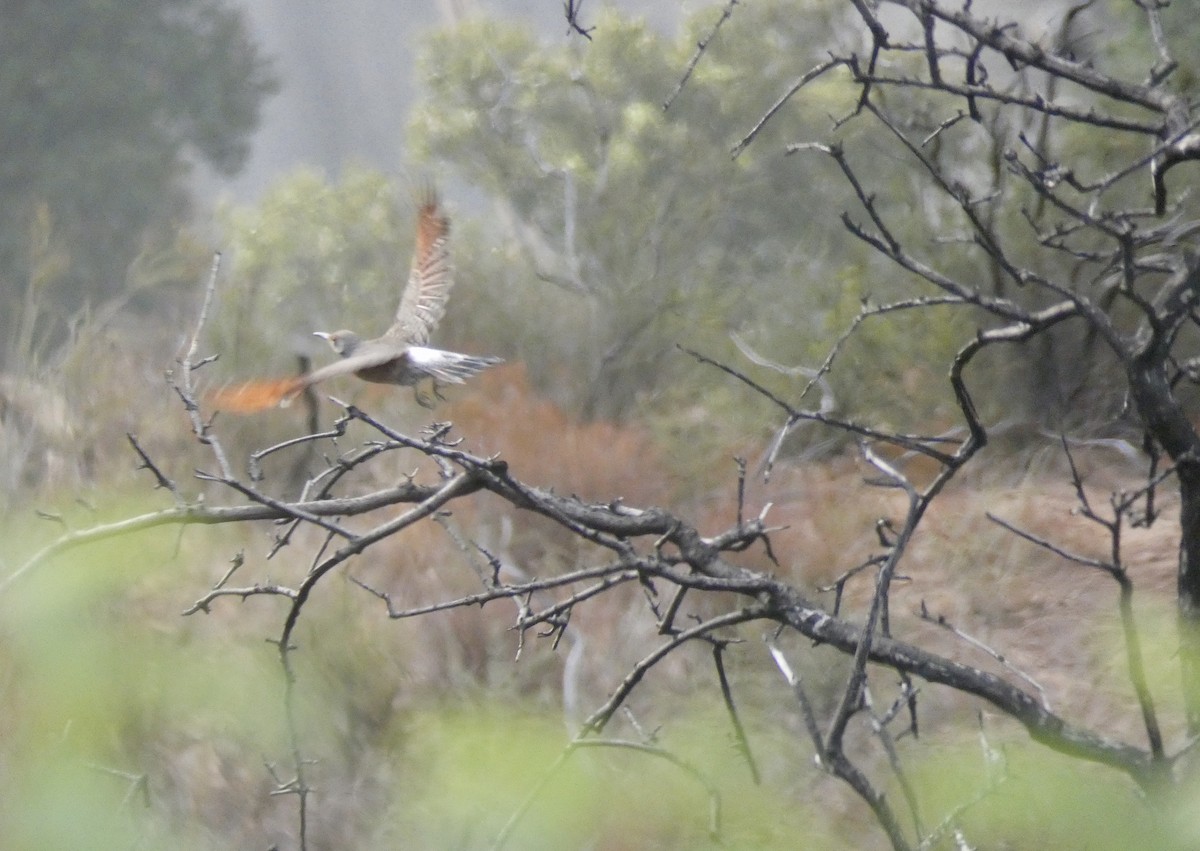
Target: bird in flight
(401, 356)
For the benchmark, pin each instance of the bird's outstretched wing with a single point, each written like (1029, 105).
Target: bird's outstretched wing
(430, 279)
(253, 396)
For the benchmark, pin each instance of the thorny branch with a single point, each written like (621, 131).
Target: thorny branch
(646, 543)
(1133, 253)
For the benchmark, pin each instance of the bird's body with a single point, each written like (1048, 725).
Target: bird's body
(385, 361)
(400, 356)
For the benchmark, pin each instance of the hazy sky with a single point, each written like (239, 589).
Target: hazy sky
(347, 74)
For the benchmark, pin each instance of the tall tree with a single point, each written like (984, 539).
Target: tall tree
(103, 106)
(627, 225)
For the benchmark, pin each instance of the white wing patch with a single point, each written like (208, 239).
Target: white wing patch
(423, 356)
(446, 367)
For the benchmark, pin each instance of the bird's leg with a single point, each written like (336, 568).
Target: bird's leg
(423, 400)
(430, 401)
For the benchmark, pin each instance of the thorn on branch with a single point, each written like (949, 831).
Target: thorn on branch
(161, 481)
(52, 516)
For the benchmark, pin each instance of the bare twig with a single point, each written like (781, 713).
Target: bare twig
(879, 724)
(189, 363)
(701, 46)
(596, 722)
(944, 623)
(714, 796)
(1075, 558)
(996, 771)
(571, 9)
(1166, 63)
(147, 464)
(812, 74)
(739, 731)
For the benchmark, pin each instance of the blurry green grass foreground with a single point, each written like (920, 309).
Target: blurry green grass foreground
(127, 725)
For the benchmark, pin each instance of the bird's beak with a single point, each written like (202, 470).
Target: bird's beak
(323, 335)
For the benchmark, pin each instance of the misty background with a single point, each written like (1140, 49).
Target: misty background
(348, 77)
(597, 239)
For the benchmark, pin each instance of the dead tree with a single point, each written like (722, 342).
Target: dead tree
(1127, 272)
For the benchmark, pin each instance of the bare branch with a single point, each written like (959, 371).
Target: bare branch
(810, 75)
(1166, 64)
(571, 9)
(596, 722)
(797, 686)
(915, 443)
(189, 363)
(944, 623)
(1020, 51)
(739, 731)
(204, 603)
(147, 464)
(1075, 558)
(714, 796)
(879, 724)
(701, 46)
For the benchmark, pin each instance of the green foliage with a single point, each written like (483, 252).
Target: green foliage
(102, 105)
(621, 230)
(478, 766)
(105, 689)
(1044, 800)
(97, 694)
(618, 230)
(128, 726)
(626, 229)
(64, 415)
(311, 256)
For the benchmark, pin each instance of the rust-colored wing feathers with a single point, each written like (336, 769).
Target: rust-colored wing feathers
(253, 396)
(430, 279)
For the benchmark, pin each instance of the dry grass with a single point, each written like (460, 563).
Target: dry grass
(1051, 619)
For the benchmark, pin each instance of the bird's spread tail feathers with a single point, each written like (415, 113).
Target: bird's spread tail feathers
(254, 396)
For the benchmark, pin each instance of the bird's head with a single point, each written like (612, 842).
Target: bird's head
(342, 342)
